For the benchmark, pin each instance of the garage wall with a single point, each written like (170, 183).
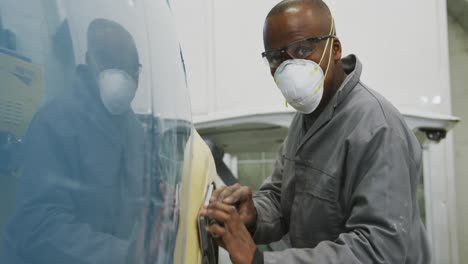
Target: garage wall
(458, 48)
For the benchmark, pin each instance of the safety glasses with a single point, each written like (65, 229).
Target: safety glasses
(300, 49)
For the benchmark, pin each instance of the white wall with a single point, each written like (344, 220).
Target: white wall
(458, 39)
(222, 43)
(402, 44)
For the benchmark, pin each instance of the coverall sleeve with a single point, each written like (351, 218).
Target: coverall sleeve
(380, 207)
(45, 228)
(269, 225)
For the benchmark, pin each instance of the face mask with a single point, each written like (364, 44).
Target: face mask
(301, 81)
(117, 90)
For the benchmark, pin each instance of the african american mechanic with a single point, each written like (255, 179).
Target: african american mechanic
(344, 183)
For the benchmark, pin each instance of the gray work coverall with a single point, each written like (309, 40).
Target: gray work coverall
(345, 188)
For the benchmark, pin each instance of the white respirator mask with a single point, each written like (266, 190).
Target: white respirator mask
(301, 81)
(117, 89)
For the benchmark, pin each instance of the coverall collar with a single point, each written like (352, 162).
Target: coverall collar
(353, 68)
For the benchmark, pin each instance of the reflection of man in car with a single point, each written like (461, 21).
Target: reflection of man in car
(82, 174)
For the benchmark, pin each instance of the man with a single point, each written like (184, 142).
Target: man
(82, 173)
(344, 184)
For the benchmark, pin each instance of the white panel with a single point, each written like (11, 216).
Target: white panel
(195, 34)
(401, 44)
(440, 205)
(170, 94)
(243, 81)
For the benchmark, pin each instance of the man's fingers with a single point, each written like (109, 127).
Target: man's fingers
(229, 216)
(216, 193)
(216, 230)
(222, 235)
(218, 211)
(222, 207)
(223, 213)
(239, 194)
(232, 194)
(228, 191)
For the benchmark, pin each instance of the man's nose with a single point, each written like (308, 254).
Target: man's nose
(284, 57)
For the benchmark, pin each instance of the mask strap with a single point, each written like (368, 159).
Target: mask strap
(329, 60)
(332, 30)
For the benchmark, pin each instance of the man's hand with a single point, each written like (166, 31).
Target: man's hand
(234, 235)
(240, 197)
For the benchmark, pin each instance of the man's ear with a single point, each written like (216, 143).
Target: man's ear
(337, 51)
